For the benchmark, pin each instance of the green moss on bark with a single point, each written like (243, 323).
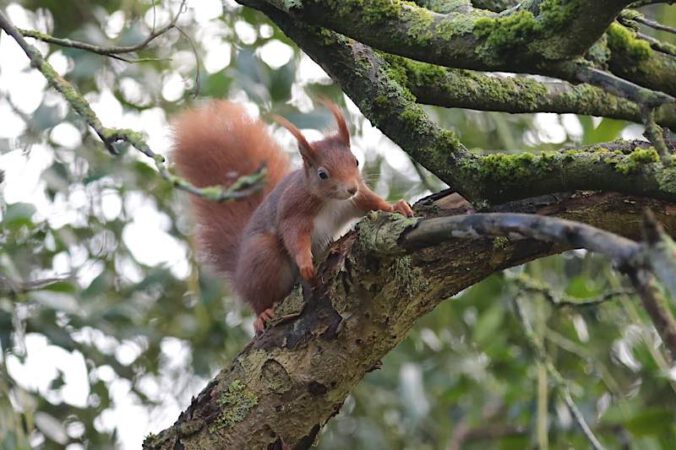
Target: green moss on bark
(236, 401)
(636, 160)
(623, 39)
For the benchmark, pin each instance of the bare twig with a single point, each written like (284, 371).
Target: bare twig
(640, 18)
(112, 51)
(519, 226)
(655, 134)
(658, 45)
(559, 380)
(421, 174)
(14, 287)
(526, 283)
(656, 307)
(621, 87)
(660, 252)
(116, 51)
(60, 84)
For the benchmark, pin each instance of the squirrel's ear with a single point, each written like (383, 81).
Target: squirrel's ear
(343, 132)
(307, 151)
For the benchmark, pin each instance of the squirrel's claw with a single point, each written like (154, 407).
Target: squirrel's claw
(403, 208)
(262, 319)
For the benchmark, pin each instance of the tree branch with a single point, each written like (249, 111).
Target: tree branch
(567, 233)
(660, 252)
(464, 37)
(283, 387)
(560, 300)
(636, 16)
(616, 85)
(374, 86)
(456, 88)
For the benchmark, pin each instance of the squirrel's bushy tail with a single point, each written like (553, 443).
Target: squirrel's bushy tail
(214, 145)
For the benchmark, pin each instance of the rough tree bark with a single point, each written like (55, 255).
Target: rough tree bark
(285, 385)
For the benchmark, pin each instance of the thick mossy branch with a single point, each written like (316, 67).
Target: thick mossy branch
(458, 88)
(624, 166)
(376, 87)
(527, 38)
(283, 387)
(464, 37)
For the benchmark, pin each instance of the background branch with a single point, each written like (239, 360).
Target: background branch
(244, 186)
(113, 51)
(456, 88)
(559, 380)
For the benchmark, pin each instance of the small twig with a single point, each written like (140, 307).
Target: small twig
(115, 52)
(198, 63)
(527, 283)
(15, 287)
(560, 382)
(430, 232)
(621, 87)
(655, 134)
(244, 186)
(112, 51)
(421, 174)
(58, 82)
(658, 45)
(640, 18)
(660, 252)
(655, 305)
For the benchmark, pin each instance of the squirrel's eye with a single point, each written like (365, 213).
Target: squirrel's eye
(322, 174)
(356, 162)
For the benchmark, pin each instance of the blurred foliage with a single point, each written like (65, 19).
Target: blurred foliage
(464, 378)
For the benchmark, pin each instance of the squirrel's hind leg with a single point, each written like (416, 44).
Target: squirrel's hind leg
(265, 275)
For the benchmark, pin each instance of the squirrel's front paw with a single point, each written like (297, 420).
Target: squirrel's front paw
(307, 271)
(403, 208)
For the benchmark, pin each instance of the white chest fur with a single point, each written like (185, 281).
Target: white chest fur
(332, 221)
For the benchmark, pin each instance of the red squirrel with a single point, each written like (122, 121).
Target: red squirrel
(263, 242)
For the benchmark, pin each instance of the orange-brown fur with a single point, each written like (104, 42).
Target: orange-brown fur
(267, 240)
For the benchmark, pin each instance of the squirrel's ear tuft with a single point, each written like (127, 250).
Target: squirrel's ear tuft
(307, 151)
(343, 131)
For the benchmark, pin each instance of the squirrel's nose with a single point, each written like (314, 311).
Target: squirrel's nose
(352, 190)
